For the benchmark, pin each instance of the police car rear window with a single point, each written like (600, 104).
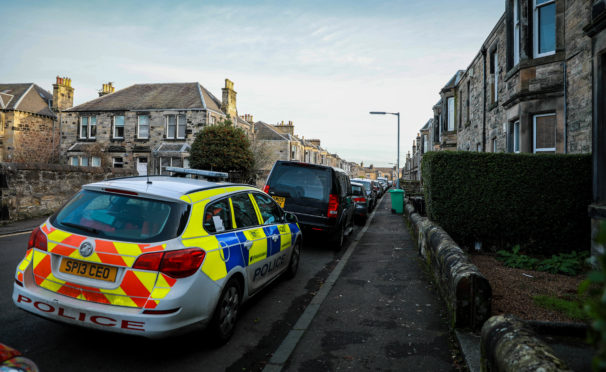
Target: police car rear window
(122, 217)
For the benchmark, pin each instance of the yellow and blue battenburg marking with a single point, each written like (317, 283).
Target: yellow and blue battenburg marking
(232, 253)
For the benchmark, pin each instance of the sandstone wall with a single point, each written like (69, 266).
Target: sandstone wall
(36, 190)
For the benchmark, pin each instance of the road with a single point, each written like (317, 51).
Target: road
(263, 324)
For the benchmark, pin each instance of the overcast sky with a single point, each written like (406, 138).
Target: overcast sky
(322, 64)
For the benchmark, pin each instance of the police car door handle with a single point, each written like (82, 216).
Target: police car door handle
(248, 244)
(275, 238)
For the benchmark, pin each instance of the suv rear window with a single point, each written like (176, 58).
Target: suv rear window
(301, 182)
(357, 190)
(122, 217)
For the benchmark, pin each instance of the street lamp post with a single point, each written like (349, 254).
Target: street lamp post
(398, 115)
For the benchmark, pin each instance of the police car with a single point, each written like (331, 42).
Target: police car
(156, 255)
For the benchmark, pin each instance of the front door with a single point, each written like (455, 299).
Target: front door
(142, 166)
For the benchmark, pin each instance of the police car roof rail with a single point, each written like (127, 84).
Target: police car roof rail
(181, 172)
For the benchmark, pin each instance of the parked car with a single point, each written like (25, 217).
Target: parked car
(371, 193)
(156, 255)
(383, 181)
(362, 203)
(378, 188)
(318, 195)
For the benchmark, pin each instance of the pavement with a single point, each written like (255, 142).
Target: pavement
(377, 311)
(21, 226)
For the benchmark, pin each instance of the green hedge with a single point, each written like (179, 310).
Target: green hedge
(537, 201)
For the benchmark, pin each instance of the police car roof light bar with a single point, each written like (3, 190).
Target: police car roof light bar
(199, 172)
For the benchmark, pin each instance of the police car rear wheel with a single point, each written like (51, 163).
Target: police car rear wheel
(226, 314)
(293, 266)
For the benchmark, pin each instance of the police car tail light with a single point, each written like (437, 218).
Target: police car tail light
(177, 264)
(149, 261)
(266, 189)
(360, 200)
(37, 240)
(333, 206)
(182, 263)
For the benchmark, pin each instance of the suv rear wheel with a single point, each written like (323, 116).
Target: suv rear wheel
(339, 238)
(293, 266)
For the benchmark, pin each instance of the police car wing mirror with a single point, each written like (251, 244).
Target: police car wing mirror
(290, 218)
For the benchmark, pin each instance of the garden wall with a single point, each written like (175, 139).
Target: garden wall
(36, 190)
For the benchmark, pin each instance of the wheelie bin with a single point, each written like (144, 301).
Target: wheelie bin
(397, 201)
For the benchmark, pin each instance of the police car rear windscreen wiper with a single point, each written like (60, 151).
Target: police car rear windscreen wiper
(85, 228)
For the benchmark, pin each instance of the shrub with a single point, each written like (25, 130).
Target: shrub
(563, 263)
(222, 147)
(537, 201)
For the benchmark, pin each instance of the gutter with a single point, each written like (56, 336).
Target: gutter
(565, 110)
(484, 101)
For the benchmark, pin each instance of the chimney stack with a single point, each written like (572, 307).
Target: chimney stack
(107, 89)
(285, 128)
(228, 104)
(63, 94)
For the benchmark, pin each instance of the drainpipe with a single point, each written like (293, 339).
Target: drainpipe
(565, 111)
(484, 101)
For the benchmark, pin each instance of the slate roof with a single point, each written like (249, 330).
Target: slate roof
(427, 125)
(172, 149)
(267, 132)
(163, 96)
(454, 80)
(26, 97)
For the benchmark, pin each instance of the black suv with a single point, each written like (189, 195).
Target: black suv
(318, 195)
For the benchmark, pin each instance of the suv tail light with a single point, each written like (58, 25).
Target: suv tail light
(333, 206)
(266, 189)
(360, 199)
(37, 240)
(177, 264)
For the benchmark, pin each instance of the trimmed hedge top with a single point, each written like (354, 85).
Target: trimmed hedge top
(537, 201)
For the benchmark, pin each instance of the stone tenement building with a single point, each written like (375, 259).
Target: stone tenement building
(281, 143)
(596, 31)
(145, 126)
(29, 127)
(528, 89)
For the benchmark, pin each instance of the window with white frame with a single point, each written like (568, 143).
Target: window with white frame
(544, 133)
(516, 32)
(88, 127)
(515, 137)
(84, 161)
(468, 101)
(172, 162)
(425, 143)
(118, 162)
(544, 35)
(118, 127)
(73, 161)
(494, 144)
(175, 126)
(95, 161)
(451, 113)
(494, 69)
(143, 126)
